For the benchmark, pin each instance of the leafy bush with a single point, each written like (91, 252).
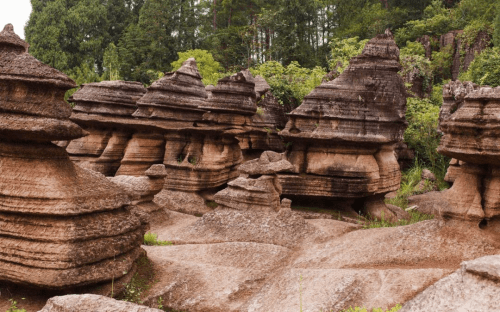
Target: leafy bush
(437, 21)
(441, 63)
(422, 135)
(342, 50)
(289, 84)
(417, 66)
(209, 68)
(151, 239)
(410, 180)
(485, 69)
(413, 48)
(13, 307)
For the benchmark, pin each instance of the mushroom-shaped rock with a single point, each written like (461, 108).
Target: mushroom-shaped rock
(61, 225)
(177, 96)
(471, 135)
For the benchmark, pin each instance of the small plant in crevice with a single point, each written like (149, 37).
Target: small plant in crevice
(192, 161)
(358, 309)
(211, 204)
(260, 111)
(180, 159)
(13, 307)
(269, 131)
(140, 283)
(151, 239)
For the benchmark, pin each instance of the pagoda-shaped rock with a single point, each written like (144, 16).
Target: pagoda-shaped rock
(60, 225)
(257, 188)
(454, 94)
(198, 156)
(103, 109)
(472, 135)
(344, 132)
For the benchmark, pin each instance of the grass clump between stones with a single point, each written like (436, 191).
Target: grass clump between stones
(358, 309)
(151, 239)
(141, 282)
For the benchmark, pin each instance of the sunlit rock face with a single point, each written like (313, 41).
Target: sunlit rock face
(471, 135)
(343, 134)
(104, 109)
(60, 225)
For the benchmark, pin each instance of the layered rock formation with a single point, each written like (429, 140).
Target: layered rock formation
(268, 120)
(95, 303)
(344, 132)
(142, 189)
(454, 94)
(60, 225)
(198, 157)
(257, 188)
(103, 109)
(471, 135)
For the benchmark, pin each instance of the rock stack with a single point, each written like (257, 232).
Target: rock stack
(268, 120)
(104, 109)
(454, 94)
(344, 132)
(199, 157)
(142, 189)
(257, 188)
(60, 225)
(471, 135)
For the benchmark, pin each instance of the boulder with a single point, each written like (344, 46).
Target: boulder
(60, 225)
(94, 303)
(475, 287)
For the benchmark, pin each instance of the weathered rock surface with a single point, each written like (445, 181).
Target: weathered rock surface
(268, 120)
(248, 265)
(257, 188)
(104, 110)
(344, 132)
(475, 287)
(470, 135)
(94, 303)
(57, 220)
(142, 189)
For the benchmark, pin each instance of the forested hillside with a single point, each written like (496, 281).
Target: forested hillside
(291, 43)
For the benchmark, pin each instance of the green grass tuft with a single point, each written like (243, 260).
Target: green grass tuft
(151, 239)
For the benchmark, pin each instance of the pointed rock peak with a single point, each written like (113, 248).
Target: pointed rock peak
(10, 42)
(382, 46)
(243, 76)
(189, 67)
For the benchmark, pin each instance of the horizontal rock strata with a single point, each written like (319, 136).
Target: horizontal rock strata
(343, 134)
(60, 225)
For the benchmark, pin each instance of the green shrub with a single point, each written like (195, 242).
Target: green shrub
(441, 63)
(342, 50)
(13, 307)
(151, 239)
(422, 135)
(291, 83)
(209, 68)
(485, 69)
(419, 66)
(413, 48)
